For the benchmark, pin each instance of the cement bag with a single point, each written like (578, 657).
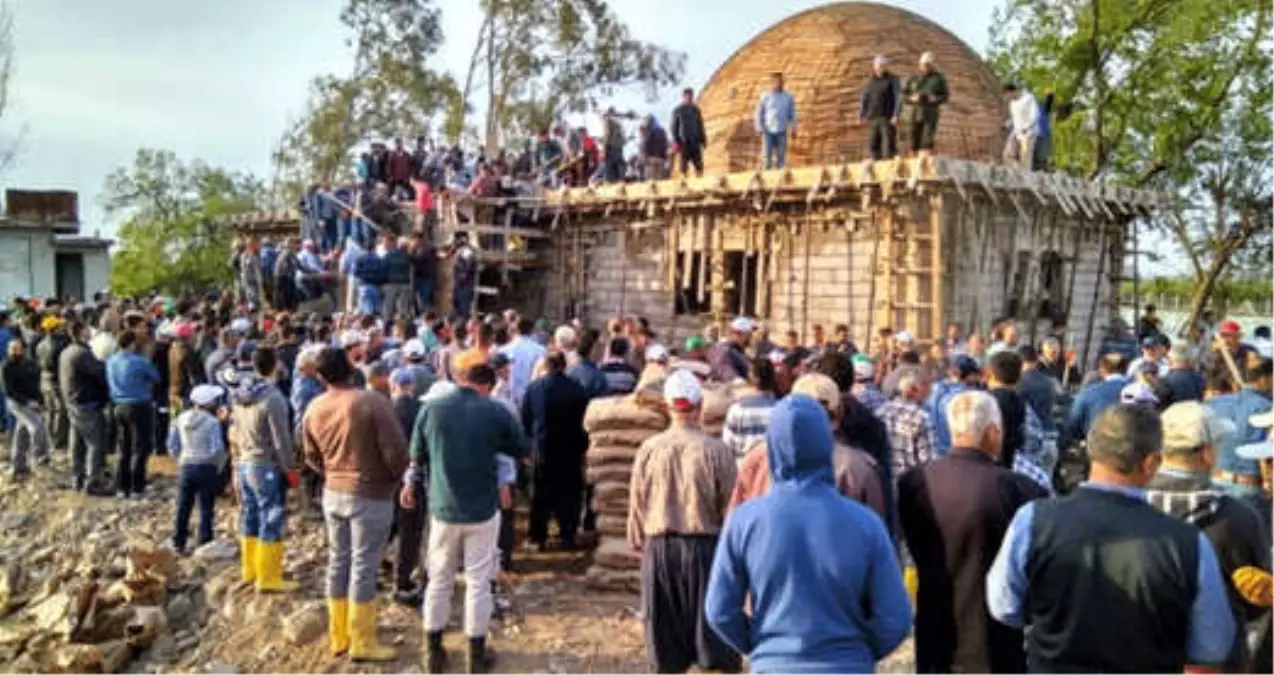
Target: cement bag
(602, 455)
(609, 473)
(716, 402)
(610, 491)
(620, 413)
(629, 438)
(613, 525)
(614, 553)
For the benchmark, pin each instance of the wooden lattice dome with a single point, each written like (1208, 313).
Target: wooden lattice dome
(825, 55)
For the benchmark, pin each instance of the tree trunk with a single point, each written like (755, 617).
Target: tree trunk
(1203, 293)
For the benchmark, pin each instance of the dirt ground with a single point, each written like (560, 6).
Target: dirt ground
(553, 624)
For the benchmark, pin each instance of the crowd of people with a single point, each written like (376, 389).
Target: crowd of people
(851, 497)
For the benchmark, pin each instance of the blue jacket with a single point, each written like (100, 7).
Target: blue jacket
(1088, 404)
(589, 376)
(825, 585)
(941, 395)
(304, 390)
(1237, 408)
(131, 378)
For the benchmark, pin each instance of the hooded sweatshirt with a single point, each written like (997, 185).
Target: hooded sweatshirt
(195, 438)
(259, 422)
(825, 585)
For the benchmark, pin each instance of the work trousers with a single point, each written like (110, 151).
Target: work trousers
(1019, 151)
(87, 442)
(397, 301)
(357, 530)
(262, 500)
(136, 425)
(674, 582)
(556, 494)
(450, 544)
(29, 436)
(411, 530)
(882, 139)
(197, 483)
(692, 155)
(55, 423)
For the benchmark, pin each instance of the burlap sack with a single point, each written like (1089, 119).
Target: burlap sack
(614, 553)
(612, 525)
(603, 473)
(622, 413)
(603, 455)
(610, 492)
(630, 437)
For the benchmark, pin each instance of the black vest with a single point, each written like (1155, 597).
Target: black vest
(1112, 581)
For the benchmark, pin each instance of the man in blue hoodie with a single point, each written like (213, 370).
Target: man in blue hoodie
(824, 582)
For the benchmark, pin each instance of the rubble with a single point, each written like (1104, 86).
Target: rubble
(306, 624)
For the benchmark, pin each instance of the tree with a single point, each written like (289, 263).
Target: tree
(8, 148)
(390, 90)
(1143, 81)
(537, 59)
(171, 238)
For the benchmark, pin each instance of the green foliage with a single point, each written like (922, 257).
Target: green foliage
(1143, 80)
(390, 91)
(1228, 292)
(539, 59)
(170, 238)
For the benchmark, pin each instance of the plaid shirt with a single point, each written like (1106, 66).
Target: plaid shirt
(910, 433)
(868, 395)
(746, 422)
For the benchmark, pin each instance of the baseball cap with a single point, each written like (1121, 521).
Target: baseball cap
(695, 342)
(965, 365)
(350, 338)
(204, 395)
(402, 377)
(776, 356)
(1138, 392)
(904, 336)
(1190, 424)
(467, 359)
(1149, 341)
(742, 324)
(413, 349)
(1229, 328)
(497, 360)
(241, 325)
(819, 387)
(656, 352)
(564, 335)
(682, 390)
(864, 369)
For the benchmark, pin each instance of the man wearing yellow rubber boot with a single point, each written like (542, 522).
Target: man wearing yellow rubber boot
(353, 438)
(260, 432)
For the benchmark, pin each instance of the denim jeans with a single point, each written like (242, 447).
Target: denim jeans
(197, 482)
(775, 148)
(370, 299)
(28, 435)
(87, 442)
(357, 530)
(462, 300)
(411, 529)
(425, 295)
(136, 424)
(262, 499)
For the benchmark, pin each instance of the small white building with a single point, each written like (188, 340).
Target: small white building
(42, 253)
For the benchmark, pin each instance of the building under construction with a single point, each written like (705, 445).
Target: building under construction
(833, 239)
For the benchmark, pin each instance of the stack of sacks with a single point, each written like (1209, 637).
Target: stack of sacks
(617, 426)
(717, 399)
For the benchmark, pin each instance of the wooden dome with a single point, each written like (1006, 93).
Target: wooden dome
(825, 55)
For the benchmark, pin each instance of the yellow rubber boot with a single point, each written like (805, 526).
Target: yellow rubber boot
(338, 625)
(911, 580)
(362, 635)
(248, 558)
(270, 569)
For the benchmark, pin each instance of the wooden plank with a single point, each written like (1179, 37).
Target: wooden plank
(936, 322)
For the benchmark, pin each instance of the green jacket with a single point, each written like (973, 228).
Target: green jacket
(933, 87)
(457, 437)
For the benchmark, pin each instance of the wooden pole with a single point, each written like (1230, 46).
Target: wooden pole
(1092, 313)
(1136, 277)
(874, 271)
(805, 291)
(938, 307)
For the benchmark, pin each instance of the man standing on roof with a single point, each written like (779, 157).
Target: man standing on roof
(775, 119)
(688, 133)
(1023, 127)
(880, 106)
(464, 276)
(925, 94)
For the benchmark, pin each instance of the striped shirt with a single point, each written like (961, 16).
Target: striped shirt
(746, 422)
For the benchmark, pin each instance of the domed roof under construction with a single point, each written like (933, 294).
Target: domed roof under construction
(825, 55)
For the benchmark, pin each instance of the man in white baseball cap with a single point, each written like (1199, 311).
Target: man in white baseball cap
(681, 483)
(196, 440)
(728, 357)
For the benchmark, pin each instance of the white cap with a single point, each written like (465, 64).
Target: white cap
(350, 338)
(864, 370)
(683, 387)
(776, 356)
(1138, 392)
(743, 324)
(904, 336)
(205, 394)
(564, 334)
(927, 57)
(241, 325)
(1261, 450)
(438, 390)
(413, 349)
(656, 352)
(880, 59)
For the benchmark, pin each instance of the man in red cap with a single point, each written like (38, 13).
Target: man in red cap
(185, 370)
(1231, 335)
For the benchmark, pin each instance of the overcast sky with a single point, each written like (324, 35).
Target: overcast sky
(219, 80)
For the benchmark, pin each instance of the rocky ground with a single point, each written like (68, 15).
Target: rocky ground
(86, 585)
